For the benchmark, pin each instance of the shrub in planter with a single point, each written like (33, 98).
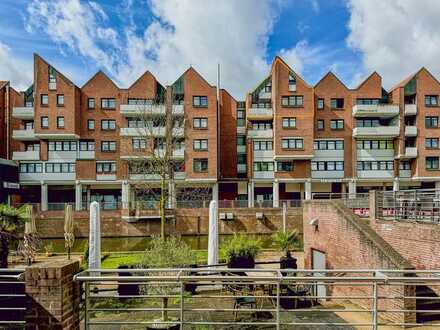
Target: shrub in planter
(241, 251)
(285, 242)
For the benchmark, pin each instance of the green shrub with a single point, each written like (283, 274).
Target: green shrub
(286, 241)
(242, 245)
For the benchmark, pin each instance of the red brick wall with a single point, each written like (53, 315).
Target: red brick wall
(228, 136)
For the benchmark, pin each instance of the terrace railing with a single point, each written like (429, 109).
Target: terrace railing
(409, 205)
(359, 203)
(13, 300)
(277, 298)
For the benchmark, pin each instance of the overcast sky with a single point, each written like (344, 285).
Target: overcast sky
(125, 38)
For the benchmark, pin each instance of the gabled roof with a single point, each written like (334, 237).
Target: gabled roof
(60, 74)
(409, 78)
(331, 74)
(278, 59)
(102, 73)
(142, 76)
(3, 83)
(196, 72)
(368, 78)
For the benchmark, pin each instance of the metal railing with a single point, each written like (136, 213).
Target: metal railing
(105, 206)
(59, 206)
(258, 297)
(409, 205)
(13, 300)
(359, 203)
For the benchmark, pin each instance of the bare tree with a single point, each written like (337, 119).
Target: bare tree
(158, 157)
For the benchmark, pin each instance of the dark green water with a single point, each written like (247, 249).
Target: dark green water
(122, 244)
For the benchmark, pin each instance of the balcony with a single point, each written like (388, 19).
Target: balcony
(86, 154)
(47, 177)
(379, 131)
(410, 130)
(410, 109)
(264, 95)
(178, 109)
(241, 149)
(138, 110)
(260, 113)
(327, 174)
(62, 155)
(241, 168)
(263, 155)
(260, 134)
(375, 154)
(26, 155)
(24, 135)
(105, 177)
(328, 155)
(377, 174)
(23, 113)
(375, 110)
(410, 152)
(154, 131)
(155, 177)
(264, 174)
(177, 153)
(241, 130)
(404, 173)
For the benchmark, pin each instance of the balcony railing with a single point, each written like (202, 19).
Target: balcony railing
(23, 113)
(212, 297)
(256, 113)
(260, 133)
(375, 110)
(133, 110)
(24, 135)
(410, 130)
(379, 131)
(153, 131)
(264, 174)
(410, 109)
(26, 155)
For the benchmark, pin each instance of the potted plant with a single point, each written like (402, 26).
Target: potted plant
(170, 252)
(241, 251)
(285, 242)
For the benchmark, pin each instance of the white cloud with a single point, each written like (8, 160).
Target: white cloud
(396, 37)
(15, 70)
(200, 33)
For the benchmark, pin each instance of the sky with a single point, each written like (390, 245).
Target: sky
(125, 38)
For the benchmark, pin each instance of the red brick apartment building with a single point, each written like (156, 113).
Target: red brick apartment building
(286, 141)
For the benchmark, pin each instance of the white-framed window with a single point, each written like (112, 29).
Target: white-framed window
(292, 143)
(200, 144)
(289, 122)
(200, 123)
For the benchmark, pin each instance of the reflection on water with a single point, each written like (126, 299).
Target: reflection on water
(120, 244)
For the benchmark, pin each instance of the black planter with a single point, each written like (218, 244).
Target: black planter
(191, 287)
(288, 262)
(241, 262)
(125, 289)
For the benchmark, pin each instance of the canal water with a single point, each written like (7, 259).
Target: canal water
(123, 244)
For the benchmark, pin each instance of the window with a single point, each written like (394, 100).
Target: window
(263, 166)
(431, 122)
(320, 105)
(241, 158)
(375, 165)
(337, 103)
(368, 123)
(60, 167)
(336, 124)
(29, 125)
(261, 126)
(328, 145)
(200, 123)
(292, 101)
(60, 100)
(87, 145)
(262, 105)
(108, 125)
(200, 144)
(285, 166)
(289, 122)
(134, 123)
(268, 87)
(108, 103)
(62, 145)
(90, 124)
(200, 101)
(31, 167)
(405, 165)
(241, 140)
(432, 163)
(90, 103)
(200, 165)
(105, 167)
(431, 100)
(375, 144)
(328, 166)
(139, 144)
(241, 118)
(292, 83)
(367, 101)
(320, 124)
(108, 146)
(292, 143)
(431, 143)
(44, 99)
(133, 101)
(263, 145)
(32, 147)
(60, 122)
(45, 122)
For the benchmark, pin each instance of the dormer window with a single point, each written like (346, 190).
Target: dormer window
(52, 79)
(292, 83)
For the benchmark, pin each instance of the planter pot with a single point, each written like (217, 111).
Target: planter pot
(241, 262)
(191, 287)
(126, 289)
(288, 262)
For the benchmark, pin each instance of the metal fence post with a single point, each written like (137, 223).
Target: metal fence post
(278, 305)
(374, 309)
(181, 305)
(86, 305)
